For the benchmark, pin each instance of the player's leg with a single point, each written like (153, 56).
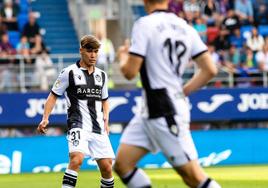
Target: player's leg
(125, 166)
(174, 138)
(134, 144)
(77, 145)
(71, 173)
(101, 150)
(105, 166)
(194, 176)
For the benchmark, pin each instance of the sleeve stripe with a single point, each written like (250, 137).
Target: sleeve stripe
(198, 54)
(136, 54)
(55, 94)
(105, 99)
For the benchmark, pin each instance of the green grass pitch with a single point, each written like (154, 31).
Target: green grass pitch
(228, 177)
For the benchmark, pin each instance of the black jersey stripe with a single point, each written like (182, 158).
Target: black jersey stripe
(158, 102)
(74, 114)
(103, 78)
(92, 105)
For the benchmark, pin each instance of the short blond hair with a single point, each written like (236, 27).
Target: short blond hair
(89, 42)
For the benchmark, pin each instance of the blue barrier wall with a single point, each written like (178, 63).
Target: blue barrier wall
(206, 105)
(45, 154)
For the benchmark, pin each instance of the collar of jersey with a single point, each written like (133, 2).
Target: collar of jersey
(79, 66)
(82, 68)
(160, 10)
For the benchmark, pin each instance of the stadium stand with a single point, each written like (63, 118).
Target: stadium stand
(60, 35)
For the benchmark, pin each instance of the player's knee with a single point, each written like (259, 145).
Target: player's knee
(106, 169)
(76, 162)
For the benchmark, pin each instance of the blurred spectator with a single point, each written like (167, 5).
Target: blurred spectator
(222, 42)
(244, 10)
(201, 28)
(176, 6)
(262, 58)
(237, 39)
(23, 48)
(214, 55)
(106, 51)
(31, 29)
(247, 59)
(6, 47)
(233, 56)
(247, 69)
(261, 13)
(211, 14)
(225, 5)
(212, 34)
(255, 42)
(191, 9)
(231, 21)
(38, 46)
(9, 14)
(6, 50)
(3, 27)
(45, 71)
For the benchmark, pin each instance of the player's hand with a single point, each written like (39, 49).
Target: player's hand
(42, 127)
(123, 51)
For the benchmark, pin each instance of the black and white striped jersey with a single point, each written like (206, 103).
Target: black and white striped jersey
(166, 43)
(84, 94)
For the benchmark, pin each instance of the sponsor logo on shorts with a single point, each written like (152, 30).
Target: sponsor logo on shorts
(76, 142)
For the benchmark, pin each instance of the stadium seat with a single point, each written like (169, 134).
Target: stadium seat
(263, 30)
(212, 34)
(246, 30)
(22, 20)
(14, 38)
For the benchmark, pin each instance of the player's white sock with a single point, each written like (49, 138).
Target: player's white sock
(209, 183)
(136, 179)
(69, 179)
(107, 183)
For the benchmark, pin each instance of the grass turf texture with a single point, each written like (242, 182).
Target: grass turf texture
(228, 177)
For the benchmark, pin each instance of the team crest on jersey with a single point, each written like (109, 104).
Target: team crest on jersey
(78, 76)
(98, 78)
(57, 83)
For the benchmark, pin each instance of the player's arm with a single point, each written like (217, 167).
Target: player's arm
(57, 90)
(130, 64)
(105, 107)
(207, 70)
(49, 105)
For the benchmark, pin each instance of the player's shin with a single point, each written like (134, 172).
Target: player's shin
(136, 178)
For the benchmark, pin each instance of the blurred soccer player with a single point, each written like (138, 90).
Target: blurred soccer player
(161, 47)
(85, 89)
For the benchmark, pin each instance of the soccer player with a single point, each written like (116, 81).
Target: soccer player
(86, 93)
(160, 49)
